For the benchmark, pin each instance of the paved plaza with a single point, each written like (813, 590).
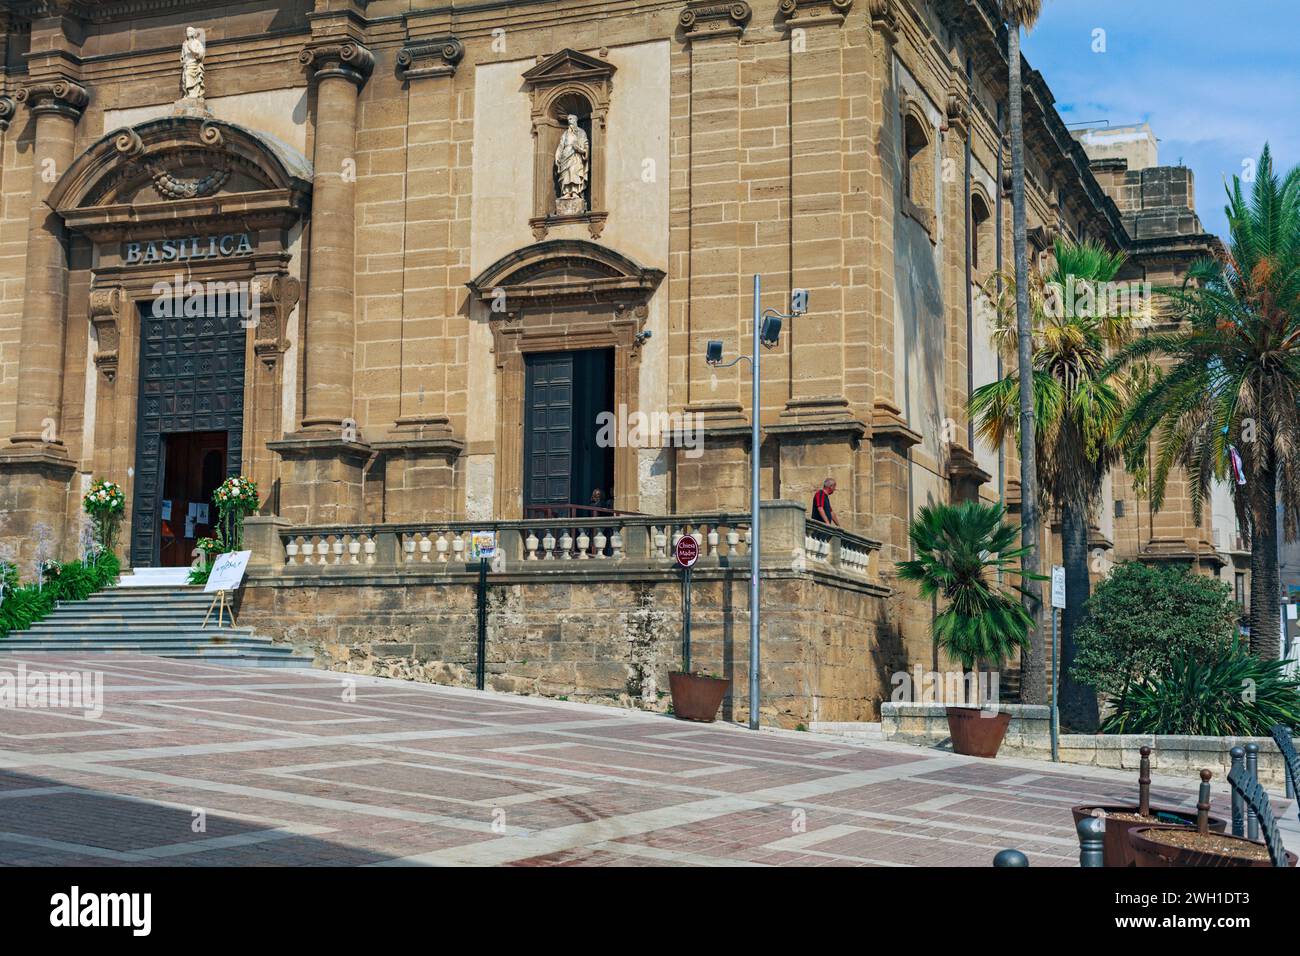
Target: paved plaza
(205, 765)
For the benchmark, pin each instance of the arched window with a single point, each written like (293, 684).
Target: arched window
(918, 169)
(982, 234)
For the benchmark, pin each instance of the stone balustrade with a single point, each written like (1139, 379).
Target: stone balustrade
(789, 539)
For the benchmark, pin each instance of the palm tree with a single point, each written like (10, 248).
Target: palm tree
(962, 552)
(1017, 14)
(1078, 408)
(1222, 403)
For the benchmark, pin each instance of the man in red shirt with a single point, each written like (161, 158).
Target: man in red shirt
(821, 504)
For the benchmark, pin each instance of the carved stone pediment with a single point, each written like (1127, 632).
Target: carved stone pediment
(166, 175)
(568, 66)
(563, 272)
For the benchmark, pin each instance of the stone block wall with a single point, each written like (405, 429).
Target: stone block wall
(603, 636)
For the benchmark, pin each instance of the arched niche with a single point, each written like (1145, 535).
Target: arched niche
(568, 82)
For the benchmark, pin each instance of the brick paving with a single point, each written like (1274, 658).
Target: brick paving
(203, 765)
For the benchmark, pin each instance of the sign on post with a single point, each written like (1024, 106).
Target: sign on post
(1058, 586)
(687, 551)
(482, 544)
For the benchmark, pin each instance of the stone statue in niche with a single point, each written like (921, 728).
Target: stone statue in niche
(572, 169)
(192, 53)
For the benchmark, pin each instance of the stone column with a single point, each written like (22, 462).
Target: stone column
(35, 470)
(819, 432)
(718, 295)
(324, 459)
(422, 449)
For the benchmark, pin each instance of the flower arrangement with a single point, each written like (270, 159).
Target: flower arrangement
(235, 498)
(105, 502)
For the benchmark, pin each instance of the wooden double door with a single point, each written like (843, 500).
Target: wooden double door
(189, 430)
(564, 463)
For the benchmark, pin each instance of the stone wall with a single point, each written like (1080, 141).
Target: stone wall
(608, 636)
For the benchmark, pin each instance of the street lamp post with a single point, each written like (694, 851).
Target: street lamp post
(767, 332)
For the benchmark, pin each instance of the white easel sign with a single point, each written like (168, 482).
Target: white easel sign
(228, 571)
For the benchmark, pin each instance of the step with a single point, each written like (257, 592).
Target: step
(154, 577)
(235, 659)
(152, 615)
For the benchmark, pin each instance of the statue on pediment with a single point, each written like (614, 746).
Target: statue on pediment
(192, 52)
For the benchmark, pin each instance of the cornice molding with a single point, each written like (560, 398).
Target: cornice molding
(430, 58)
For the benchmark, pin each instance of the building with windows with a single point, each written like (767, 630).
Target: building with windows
(425, 269)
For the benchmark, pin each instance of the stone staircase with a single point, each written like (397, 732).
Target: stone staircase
(149, 614)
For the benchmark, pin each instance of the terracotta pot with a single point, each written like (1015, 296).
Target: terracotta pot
(975, 732)
(1117, 851)
(1150, 853)
(696, 697)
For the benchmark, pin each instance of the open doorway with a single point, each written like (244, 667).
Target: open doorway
(566, 471)
(194, 466)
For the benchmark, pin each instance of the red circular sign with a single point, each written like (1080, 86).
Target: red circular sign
(687, 551)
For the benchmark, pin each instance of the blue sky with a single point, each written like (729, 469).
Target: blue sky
(1215, 80)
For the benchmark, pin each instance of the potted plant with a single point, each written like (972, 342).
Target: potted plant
(1118, 820)
(697, 695)
(962, 552)
(1199, 845)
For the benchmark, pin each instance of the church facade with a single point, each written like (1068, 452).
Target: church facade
(421, 268)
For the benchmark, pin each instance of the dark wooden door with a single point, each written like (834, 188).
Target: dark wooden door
(191, 380)
(548, 429)
(565, 393)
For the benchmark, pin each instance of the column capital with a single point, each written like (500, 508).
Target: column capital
(801, 13)
(55, 96)
(438, 56)
(884, 16)
(8, 110)
(704, 19)
(348, 59)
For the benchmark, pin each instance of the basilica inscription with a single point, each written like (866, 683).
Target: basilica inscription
(189, 249)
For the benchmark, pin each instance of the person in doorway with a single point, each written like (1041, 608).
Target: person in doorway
(821, 503)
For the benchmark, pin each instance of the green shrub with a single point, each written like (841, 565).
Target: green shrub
(24, 605)
(1230, 693)
(1143, 617)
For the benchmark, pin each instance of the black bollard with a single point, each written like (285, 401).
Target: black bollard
(1144, 782)
(1203, 805)
(1092, 841)
(1010, 858)
(1252, 768)
(1238, 755)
